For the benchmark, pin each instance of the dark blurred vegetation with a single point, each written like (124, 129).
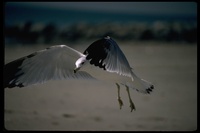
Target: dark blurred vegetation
(33, 33)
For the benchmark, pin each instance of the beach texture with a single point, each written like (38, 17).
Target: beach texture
(84, 105)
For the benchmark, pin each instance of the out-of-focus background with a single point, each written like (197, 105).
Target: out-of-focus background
(158, 38)
(32, 22)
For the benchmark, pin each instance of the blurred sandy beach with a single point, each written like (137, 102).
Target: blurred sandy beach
(80, 105)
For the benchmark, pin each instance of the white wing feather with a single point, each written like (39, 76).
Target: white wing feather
(56, 62)
(117, 62)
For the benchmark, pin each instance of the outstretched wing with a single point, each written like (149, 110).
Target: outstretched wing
(56, 62)
(106, 54)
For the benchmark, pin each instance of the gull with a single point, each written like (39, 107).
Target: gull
(63, 62)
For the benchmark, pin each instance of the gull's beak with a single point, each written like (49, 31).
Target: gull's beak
(76, 69)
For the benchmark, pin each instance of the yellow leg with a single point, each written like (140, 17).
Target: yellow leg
(130, 100)
(118, 96)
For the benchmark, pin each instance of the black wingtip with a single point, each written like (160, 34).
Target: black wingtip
(12, 72)
(149, 90)
(152, 87)
(10, 86)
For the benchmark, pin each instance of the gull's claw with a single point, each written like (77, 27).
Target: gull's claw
(132, 105)
(118, 96)
(130, 100)
(120, 102)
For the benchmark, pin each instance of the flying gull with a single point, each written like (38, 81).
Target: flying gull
(63, 62)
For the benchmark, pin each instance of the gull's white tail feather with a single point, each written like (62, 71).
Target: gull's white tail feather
(140, 85)
(148, 86)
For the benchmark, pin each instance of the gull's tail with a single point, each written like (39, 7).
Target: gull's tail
(148, 86)
(140, 85)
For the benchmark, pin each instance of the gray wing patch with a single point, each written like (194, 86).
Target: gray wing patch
(54, 63)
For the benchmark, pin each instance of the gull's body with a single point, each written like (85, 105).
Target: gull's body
(63, 62)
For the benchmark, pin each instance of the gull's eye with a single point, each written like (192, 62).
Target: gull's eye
(82, 63)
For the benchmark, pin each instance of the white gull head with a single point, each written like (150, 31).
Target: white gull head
(79, 63)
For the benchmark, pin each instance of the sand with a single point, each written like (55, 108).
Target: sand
(84, 105)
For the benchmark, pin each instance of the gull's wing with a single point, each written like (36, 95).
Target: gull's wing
(56, 62)
(106, 54)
